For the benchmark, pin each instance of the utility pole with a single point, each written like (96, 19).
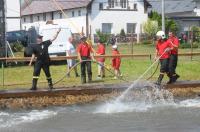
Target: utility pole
(163, 15)
(2, 28)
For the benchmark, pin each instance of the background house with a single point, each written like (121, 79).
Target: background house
(87, 16)
(185, 12)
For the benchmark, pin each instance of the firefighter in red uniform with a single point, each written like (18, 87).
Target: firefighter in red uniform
(116, 62)
(101, 51)
(84, 50)
(173, 59)
(163, 53)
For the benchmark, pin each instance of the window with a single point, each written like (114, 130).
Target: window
(79, 13)
(116, 2)
(73, 14)
(135, 6)
(38, 18)
(44, 17)
(111, 3)
(123, 3)
(100, 6)
(31, 18)
(107, 27)
(131, 27)
(24, 19)
(60, 14)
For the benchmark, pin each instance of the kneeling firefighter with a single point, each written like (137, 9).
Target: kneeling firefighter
(40, 50)
(163, 53)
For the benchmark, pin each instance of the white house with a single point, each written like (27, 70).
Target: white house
(12, 15)
(109, 16)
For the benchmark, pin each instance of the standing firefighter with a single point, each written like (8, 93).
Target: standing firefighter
(173, 59)
(84, 49)
(40, 50)
(162, 52)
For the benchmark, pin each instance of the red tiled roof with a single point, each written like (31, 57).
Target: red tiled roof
(41, 6)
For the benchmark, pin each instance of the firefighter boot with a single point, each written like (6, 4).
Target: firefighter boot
(159, 79)
(34, 84)
(50, 84)
(175, 77)
(170, 79)
(83, 79)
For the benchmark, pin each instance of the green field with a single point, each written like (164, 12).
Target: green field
(131, 68)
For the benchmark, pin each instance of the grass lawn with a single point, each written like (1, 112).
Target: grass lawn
(131, 69)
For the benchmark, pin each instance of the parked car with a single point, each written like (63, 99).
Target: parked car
(17, 36)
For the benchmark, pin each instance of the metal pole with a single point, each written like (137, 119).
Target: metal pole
(163, 15)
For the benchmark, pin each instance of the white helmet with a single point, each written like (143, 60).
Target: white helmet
(114, 46)
(161, 34)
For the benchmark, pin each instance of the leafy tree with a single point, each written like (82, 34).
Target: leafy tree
(122, 33)
(150, 27)
(170, 25)
(103, 38)
(196, 33)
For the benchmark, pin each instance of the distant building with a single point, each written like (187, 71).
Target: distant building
(185, 12)
(108, 16)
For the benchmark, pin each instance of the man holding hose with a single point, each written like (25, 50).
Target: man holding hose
(163, 49)
(84, 49)
(173, 59)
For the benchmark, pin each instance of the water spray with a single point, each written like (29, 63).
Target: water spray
(139, 78)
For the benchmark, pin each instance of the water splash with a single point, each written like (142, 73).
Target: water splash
(143, 97)
(10, 119)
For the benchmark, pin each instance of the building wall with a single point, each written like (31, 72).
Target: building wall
(76, 22)
(197, 10)
(12, 10)
(118, 18)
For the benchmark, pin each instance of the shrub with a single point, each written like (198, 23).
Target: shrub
(102, 37)
(16, 47)
(122, 33)
(188, 45)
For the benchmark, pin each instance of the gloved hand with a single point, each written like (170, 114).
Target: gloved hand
(167, 49)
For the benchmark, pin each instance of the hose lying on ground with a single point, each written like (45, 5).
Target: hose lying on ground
(120, 78)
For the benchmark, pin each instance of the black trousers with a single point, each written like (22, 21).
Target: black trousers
(41, 65)
(173, 64)
(164, 65)
(85, 65)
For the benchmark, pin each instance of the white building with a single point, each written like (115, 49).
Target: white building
(12, 15)
(109, 16)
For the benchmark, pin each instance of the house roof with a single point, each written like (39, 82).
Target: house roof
(41, 6)
(173, 6)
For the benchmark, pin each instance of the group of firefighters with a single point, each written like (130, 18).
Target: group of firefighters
(166, 53)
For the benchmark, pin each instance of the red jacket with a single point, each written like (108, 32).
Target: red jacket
(161, 46)
(116, 61)
(174, 41)
(101, 51)
(84, 49)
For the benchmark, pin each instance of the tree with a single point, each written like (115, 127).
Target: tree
(102, 37)
(150, 27)
(122, 33)
(195, 33)
(170, 25)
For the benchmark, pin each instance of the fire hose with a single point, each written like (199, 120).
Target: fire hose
(120, 78)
